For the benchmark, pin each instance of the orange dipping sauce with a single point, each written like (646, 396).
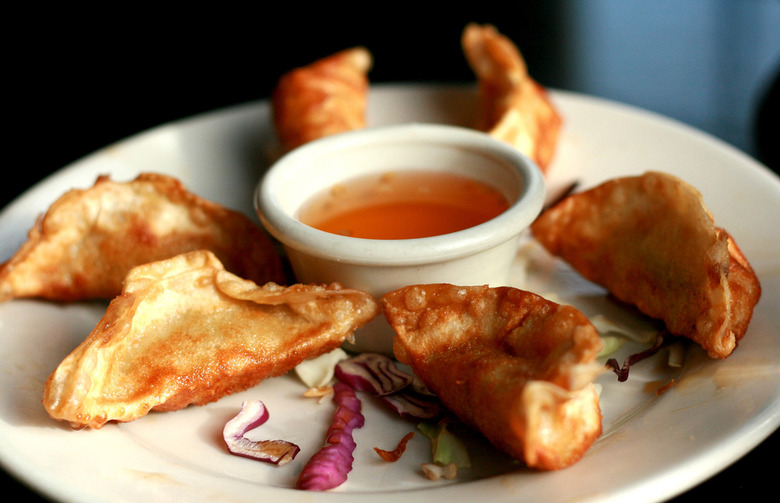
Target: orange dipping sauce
(403, 205)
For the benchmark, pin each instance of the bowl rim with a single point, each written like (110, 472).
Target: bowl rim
(292, 233)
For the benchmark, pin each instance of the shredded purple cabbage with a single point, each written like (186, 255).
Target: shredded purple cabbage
(374, 373)
(328, 468)
(253, 414)
(661, 340)
(380, 376)
(411, 404)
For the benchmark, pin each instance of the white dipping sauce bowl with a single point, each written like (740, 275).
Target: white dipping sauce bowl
(480, 255)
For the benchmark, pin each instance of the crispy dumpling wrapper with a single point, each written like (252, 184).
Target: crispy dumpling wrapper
(88, 240)
(513, 107)
(186, 331)
(515, 366)
(323, 98)
(652, 243)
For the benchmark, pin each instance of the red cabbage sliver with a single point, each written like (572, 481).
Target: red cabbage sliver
(372, 372)
(411, 404)
(328, 467)
(380, 376)
(622, 371)
(253, 414)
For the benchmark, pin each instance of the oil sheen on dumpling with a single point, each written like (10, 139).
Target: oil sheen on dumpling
(325, 97)
(186, 331)
(652, 243)
(88, 240)
(515, 366)
(513, 107)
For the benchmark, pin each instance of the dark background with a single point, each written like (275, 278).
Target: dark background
(82, 80)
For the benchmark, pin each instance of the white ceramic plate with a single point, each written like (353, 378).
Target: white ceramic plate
(653, 447)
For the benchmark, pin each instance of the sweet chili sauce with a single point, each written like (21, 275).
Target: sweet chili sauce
(403, 205)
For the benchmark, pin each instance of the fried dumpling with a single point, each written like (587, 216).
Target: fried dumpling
(87, 241)
(652, 243)
(323, 98)
(185, 331)
(513, 107)
(515, 366)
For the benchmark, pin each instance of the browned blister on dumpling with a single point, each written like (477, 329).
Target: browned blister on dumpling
(513, 107)
(89, 239)
(185, 331)
(515, 366)
(652, 243)
(323, 98)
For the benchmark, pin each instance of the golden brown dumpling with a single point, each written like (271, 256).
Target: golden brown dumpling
(515, 366)
(323, 98)
(88, 240)
(513, 107)
(186, 331)
(652, 243)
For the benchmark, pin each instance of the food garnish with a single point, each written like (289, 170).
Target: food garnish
(662, 339)
(400, 390)
(611, 344)
(321, 392)
(319, 372)
(666, 387)
(676, 354)
(446, 448)
(614, 335)
(372, 372)
(254, 413)
(328, 467)
(432, 471)
(395, 454)
(411, 404)
(608, 327)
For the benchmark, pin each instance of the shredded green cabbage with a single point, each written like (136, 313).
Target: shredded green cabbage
(446, 448)
(606, 326)
(319, 371)
(611, 344)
